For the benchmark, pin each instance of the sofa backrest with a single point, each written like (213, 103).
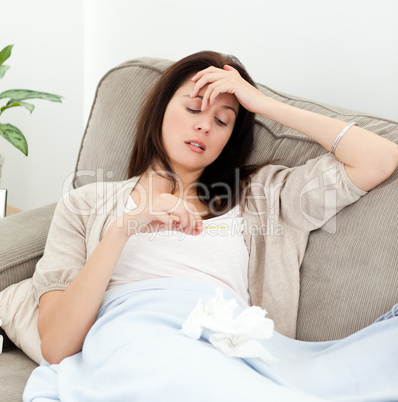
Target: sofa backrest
(348, 277)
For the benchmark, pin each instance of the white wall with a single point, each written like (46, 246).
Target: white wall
(342, 52)
(47, 56)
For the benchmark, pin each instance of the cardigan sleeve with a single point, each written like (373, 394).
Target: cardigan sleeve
(315, 192)
(65, 252)
(306, 197)
(81, 218)
(284, 206)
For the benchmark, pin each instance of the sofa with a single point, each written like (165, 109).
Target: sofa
(349, 275)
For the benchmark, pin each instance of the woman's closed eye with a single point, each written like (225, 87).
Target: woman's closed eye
(220, 122)
(196, 111)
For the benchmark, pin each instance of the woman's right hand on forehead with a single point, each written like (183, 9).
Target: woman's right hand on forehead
(227, 80)
(166, 212)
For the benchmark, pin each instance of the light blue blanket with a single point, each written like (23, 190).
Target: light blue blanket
(136, 351)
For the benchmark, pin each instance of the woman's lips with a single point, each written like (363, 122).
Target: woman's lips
(196, 146)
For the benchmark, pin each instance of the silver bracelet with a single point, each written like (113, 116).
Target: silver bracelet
(340, 136)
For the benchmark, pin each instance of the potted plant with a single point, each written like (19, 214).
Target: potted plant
(17, 98)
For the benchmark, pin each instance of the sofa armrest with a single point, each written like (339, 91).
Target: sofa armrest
(23, 237)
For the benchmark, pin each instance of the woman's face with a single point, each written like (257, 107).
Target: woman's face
(194, 139)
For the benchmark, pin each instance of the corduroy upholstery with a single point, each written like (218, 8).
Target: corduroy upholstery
(15, 369)
(349, 275)
(23, 238)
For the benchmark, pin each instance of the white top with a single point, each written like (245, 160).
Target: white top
(167, 254)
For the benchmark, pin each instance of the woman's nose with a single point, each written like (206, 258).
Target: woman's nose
(203, 125)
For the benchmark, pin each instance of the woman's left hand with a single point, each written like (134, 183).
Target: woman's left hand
(227, 80)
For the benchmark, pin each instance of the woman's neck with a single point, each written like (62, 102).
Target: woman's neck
(185, 184)
(154, 183)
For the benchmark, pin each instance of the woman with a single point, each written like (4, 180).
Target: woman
(193, 141)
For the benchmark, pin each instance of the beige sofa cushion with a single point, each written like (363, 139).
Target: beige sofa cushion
(15, 369)
(349, 275)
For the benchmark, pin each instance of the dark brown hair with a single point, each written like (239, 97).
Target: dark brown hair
(148, 148)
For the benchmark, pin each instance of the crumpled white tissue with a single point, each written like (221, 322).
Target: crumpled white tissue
(233, 336)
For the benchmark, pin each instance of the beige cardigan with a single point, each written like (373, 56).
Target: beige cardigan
(283, 206)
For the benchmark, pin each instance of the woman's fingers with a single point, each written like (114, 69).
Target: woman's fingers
(218, 81)
(201, 73)
(171, 213)
(187, 218)
(172, 209)
(165, 212)
(230, 68)
(215, 85)
(207, 76)
(215, 89)
(175, 222)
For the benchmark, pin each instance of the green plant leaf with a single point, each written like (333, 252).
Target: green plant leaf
(13, 135)
(26, 105)
(5, 54)
(17, 95)
(3, 70)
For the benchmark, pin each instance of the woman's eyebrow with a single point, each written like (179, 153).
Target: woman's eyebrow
(223, 106)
